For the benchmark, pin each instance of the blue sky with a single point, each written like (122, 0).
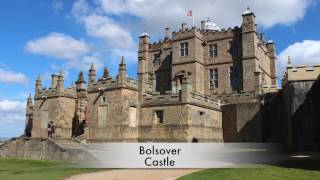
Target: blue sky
(41, 37)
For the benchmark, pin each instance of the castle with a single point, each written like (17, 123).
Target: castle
(195, 85)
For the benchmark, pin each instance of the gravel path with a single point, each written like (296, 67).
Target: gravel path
(135, 174)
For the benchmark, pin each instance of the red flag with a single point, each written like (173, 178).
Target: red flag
(189, 13)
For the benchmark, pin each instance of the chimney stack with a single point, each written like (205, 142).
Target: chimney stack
(203, 25)
(261, 37)
(54, 81)
(167, 36)
(183, 26)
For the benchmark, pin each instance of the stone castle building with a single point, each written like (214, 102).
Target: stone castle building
(183, 82)
(195, 85)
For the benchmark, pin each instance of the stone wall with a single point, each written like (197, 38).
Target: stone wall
(242, 122)
(41, 149)
(292, 115)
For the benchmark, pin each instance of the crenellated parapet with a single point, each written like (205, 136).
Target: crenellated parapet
(185, 96)
(46, 93)
(185, 32)
(56, 89)
(302, 73)
(111, 83)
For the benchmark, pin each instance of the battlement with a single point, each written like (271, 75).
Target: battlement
(164, 99)
(45, 93)
(302, 73)
(110, 83)
(207, 101)
(174, 98)
(270, 89)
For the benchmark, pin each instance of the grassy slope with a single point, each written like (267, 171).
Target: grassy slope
(36, 170)
(262, 173)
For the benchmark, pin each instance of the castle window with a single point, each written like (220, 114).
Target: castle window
(211, 83)
(156, 59)
(132, 116)
(215, 78)
(184, 49)
(213, 50)
(230, 49)
(103, 99)
(159, 117)
(231, 75)
(202, 117)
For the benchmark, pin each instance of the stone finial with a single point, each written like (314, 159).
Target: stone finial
(29, 98)
(38, 84)
(105, 72)
(80, 78)
(39, 78)
(61, 73)
(92, 68)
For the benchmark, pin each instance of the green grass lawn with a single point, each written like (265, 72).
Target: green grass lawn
(16, 169)
(260, 173)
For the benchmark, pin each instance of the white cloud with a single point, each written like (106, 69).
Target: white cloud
(77, 53)
(12, 77)
(306, 52)
(12, 111)
(106, 28)
(154, 15)
(80, 8)
(102, 26)
(58, 45)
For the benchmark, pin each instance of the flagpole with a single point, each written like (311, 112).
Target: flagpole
(193, 18)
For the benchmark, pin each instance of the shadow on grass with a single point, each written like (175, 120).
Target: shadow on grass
(305, 164)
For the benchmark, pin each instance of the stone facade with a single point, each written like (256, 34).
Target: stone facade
(183, 83)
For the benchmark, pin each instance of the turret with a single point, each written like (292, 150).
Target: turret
(29, 117)
(248, 21)
(38, 85)
(29, 109)
(144, 41)
(80, 83)
(60, 85)
(272, 53)
(92, 75)
(122, 75)
(249, 43)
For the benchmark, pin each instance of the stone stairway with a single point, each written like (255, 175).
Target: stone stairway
(68, 144)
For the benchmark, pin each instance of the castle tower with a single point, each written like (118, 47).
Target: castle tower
(251, 76)
(60, 84)
(144, 41)
(29, 117)
(122, 75)
(91, 75)
(38, 85)
(272, 51)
